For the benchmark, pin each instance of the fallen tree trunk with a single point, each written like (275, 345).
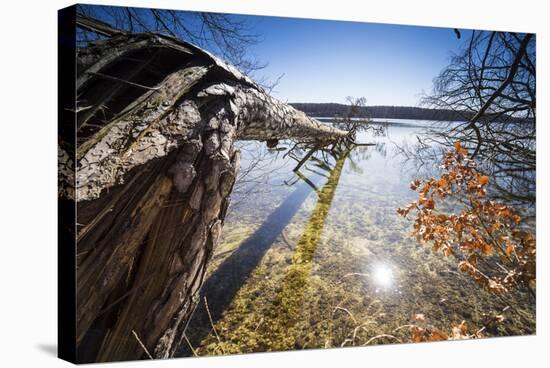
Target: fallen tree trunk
(151, 176)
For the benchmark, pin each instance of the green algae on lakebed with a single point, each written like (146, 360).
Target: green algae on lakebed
(304, 268)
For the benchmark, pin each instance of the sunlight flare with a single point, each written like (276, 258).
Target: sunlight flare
(383, 275)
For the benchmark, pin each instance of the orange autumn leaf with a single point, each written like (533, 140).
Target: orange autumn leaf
(429, 204)
(509, 249)
(460, 331)
(438, 335)
(483, 180)
(459, 149)
(486, 249)
(415, 184)
(443, 183)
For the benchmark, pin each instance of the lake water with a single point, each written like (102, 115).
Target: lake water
(310, 261)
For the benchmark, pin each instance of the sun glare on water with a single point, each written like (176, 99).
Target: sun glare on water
(382, 276)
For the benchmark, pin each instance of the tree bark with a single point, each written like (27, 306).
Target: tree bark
(154, 166)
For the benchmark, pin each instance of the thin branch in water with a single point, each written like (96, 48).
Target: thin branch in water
(141, 344)
(189, 344)
(346, 311)
(213, 327)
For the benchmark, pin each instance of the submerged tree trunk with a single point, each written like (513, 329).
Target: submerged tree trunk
(154, 166)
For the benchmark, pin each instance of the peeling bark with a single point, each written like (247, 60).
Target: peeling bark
(155, 164)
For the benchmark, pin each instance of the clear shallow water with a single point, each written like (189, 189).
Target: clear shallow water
(302, 263)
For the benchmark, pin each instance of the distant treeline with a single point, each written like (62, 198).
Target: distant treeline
(382, 112)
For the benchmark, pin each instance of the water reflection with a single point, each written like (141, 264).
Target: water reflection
(382, 276)
(281, 269)
(222, 285)
(288, 303)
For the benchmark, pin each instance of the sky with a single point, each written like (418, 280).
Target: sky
(326, 61)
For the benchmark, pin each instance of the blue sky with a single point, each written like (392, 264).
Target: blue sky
(325, 61)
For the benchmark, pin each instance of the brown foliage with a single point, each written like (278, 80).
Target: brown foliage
(421, 332)
(488, 238)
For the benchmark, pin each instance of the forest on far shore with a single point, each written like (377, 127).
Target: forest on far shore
(386, 112)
